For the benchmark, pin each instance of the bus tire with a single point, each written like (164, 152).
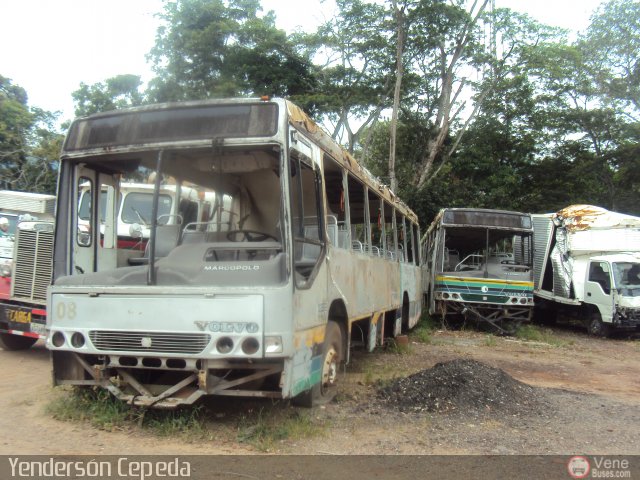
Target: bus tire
(332, 356)
(597, 327)
(16, 342)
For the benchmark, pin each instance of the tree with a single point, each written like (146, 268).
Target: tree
(212, 48)
(29, 147)
(611, 45)
(357, 71)
(441, 55)
(114, 93)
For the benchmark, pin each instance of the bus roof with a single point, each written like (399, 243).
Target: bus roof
(482, 217)
(303, 122)
(100, 134)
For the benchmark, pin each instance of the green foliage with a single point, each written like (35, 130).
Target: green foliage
(556, 122)
(117, 92)
(211, 48)
(29, 145)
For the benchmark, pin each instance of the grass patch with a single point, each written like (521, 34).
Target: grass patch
(264, 430)
(97, 407)
(261, 428)
(392, 346)
(103, 411)
(533, 333)
(423, 331)
(490, 341)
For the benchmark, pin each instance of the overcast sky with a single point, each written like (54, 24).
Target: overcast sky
(50, 46)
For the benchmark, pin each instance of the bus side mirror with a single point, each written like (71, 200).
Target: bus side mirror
(135, 230)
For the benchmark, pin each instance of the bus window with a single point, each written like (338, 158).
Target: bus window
(85, 211)
(337, 225)
(390, 232)
(359, 221)
(307, 223)
(375, 220)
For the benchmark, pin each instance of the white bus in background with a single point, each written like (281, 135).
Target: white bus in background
(301, 255)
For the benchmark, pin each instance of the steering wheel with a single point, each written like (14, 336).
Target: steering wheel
(249, 236)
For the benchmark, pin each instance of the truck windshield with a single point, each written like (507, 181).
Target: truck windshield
(627, 278)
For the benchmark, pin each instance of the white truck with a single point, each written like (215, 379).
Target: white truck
(586, 266)
(26, 252)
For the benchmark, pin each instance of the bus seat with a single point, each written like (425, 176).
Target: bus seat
(167, 237)
(342, 238)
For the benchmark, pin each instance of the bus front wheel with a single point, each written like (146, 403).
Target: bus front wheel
(332, 356)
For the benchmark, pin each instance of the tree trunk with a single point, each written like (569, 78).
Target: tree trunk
(399, 14)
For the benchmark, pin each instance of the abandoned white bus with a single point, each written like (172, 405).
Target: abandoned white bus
(302, 255)
(478, 265)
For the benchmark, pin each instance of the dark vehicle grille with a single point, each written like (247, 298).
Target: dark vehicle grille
(187, 343)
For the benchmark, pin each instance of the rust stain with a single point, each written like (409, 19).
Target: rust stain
(583, 217)
(310, 337)
(303, 122)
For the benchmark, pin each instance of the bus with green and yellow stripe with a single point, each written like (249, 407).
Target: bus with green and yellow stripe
(478, 267)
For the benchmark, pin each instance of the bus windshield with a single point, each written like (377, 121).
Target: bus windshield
(214, 211)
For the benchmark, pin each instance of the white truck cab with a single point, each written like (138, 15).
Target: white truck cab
(587, 265)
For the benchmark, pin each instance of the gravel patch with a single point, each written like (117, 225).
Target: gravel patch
(463, 385)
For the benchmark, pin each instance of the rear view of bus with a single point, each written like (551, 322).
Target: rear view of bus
(225, 291)
(480, 267)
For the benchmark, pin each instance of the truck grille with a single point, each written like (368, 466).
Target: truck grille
(32, 269)
(187, 343)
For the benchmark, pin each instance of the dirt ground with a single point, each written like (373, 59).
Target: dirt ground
(589, 389)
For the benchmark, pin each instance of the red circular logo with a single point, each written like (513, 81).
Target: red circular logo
(578, 467)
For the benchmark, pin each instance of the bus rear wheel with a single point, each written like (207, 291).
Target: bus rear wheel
(16, 342)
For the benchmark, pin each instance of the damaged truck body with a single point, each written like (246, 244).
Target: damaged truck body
(287, 253)
(478, 266)
(587, 267)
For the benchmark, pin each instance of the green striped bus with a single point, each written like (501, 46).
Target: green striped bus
(478, 267)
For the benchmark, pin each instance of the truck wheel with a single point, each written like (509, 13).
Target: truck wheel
(9, 341)
(332, 355)
(597, 327)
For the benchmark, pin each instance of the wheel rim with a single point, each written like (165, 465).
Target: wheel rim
(330, 369)
(595, 326)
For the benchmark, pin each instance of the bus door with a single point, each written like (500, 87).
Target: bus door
(95, 221)
(310, 272)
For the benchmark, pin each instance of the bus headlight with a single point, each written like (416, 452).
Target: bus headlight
(77, 340)
(57, 339)
(273, 344)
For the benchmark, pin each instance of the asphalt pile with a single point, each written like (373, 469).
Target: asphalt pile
(464, 386)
